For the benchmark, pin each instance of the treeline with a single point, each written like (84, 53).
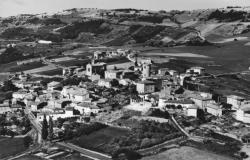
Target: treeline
(232, 15)
(12, 54)
(146, 134)
(77, 130)
(29, 34)
(45, 21)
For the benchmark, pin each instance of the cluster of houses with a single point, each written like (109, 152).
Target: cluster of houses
(110, 53)
(162, 89)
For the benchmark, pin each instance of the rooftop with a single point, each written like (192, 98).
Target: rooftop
(88, 105)
(54, 83)
(196, 67)
(214, 106)
(245, 107)
(114, 71)
(235, 97)
(146, 82)
(185, 101)
(75, 90)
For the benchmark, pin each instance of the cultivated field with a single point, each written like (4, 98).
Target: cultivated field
(186, 153)
(11, 146)
(41, 69)
(226, 57)
(57, 71)
(26, 67)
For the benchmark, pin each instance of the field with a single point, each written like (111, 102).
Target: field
(11, 146)
(227, 57)
(186, 153)
(72, 157)
(6, 67)
(40, 69)
(4, 77)
(238, 85)
(25, 67)
(29, 157)
(75, 62)
(97, 140)
(51, 72)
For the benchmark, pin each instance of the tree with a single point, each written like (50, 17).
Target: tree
(114, 82)
(201, 115)
(44, 128)
(179, 91)
(9, 86)
(179, 107)
(27, 141)
(50, 132)
(226, 106)
(60, 122)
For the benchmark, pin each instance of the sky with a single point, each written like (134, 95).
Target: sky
(14, 7)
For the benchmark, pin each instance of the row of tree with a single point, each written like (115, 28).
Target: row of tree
(47, 129)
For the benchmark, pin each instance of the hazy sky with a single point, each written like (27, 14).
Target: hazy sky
(13, 7)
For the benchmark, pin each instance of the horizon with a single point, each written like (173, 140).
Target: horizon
(48, 6)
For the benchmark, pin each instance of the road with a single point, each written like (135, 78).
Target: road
(88, 153)
(37, 125)
(179, 127)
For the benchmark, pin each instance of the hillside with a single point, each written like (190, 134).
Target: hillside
(75, 28)
(126, 26)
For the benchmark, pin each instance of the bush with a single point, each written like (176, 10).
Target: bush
(159, 113)
(27, 141)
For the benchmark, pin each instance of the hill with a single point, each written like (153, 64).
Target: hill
(127, 26)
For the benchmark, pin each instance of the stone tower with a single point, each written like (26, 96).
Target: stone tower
(146, 69)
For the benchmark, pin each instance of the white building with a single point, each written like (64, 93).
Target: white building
(201, 99)
(173, 72)
(235, 101)
(95, 68)
(182, 78)
(52, 85)
(75, 93)
(112, 74)
(139, 105)
(196, 70)
(86, 108)
(125, 82)
(20, 94)
(186, 103)
(163, 71)
(4, 109)
(57, 113)
(145, 87)
(105, 83)
(192, 111)
(214, 109)
(243, 114)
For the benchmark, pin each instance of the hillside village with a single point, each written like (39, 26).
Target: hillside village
(104, 94)
(83, 93)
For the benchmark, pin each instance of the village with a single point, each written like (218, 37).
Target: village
(122, 96)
